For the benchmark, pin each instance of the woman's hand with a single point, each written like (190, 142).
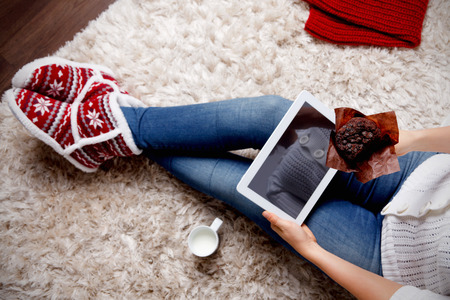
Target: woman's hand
(361, 283)
(299, 237)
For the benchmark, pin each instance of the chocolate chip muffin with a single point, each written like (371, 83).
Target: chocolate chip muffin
(357, 139)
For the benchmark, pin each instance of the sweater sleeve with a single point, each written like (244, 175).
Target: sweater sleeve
(410, 292)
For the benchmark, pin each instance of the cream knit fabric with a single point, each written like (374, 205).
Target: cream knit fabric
(415, 244)
(409, 292)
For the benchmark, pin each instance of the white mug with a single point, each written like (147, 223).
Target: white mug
(203, 240)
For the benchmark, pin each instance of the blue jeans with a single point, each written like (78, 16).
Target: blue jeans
(193, 142)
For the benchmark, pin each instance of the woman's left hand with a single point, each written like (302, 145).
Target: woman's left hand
(299, 237)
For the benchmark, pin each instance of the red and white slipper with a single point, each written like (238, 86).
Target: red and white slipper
(62, 79)
(88, 130)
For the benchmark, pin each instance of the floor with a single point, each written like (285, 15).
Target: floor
(35, 28)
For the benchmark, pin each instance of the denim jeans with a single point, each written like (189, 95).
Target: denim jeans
(193, 142)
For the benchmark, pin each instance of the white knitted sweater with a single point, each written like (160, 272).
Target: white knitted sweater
(415, 246)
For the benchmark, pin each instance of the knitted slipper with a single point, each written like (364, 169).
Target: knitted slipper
(61, 79)
(88, 131)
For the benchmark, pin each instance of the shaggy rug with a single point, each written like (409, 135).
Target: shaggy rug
(121, 232)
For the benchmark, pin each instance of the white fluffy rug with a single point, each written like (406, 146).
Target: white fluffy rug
(122, 233)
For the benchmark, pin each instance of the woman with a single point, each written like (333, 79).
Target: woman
(79, 110)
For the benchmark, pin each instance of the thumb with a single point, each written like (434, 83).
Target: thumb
(278, 224)
(271, 217)
(274, 222)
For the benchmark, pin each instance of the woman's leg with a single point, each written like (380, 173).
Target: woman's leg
(209, 127)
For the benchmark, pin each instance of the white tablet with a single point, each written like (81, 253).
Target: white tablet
(289, 174)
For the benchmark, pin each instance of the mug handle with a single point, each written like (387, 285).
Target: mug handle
(216, 224)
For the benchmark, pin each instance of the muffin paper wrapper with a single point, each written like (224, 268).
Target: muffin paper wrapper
(382, 161)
